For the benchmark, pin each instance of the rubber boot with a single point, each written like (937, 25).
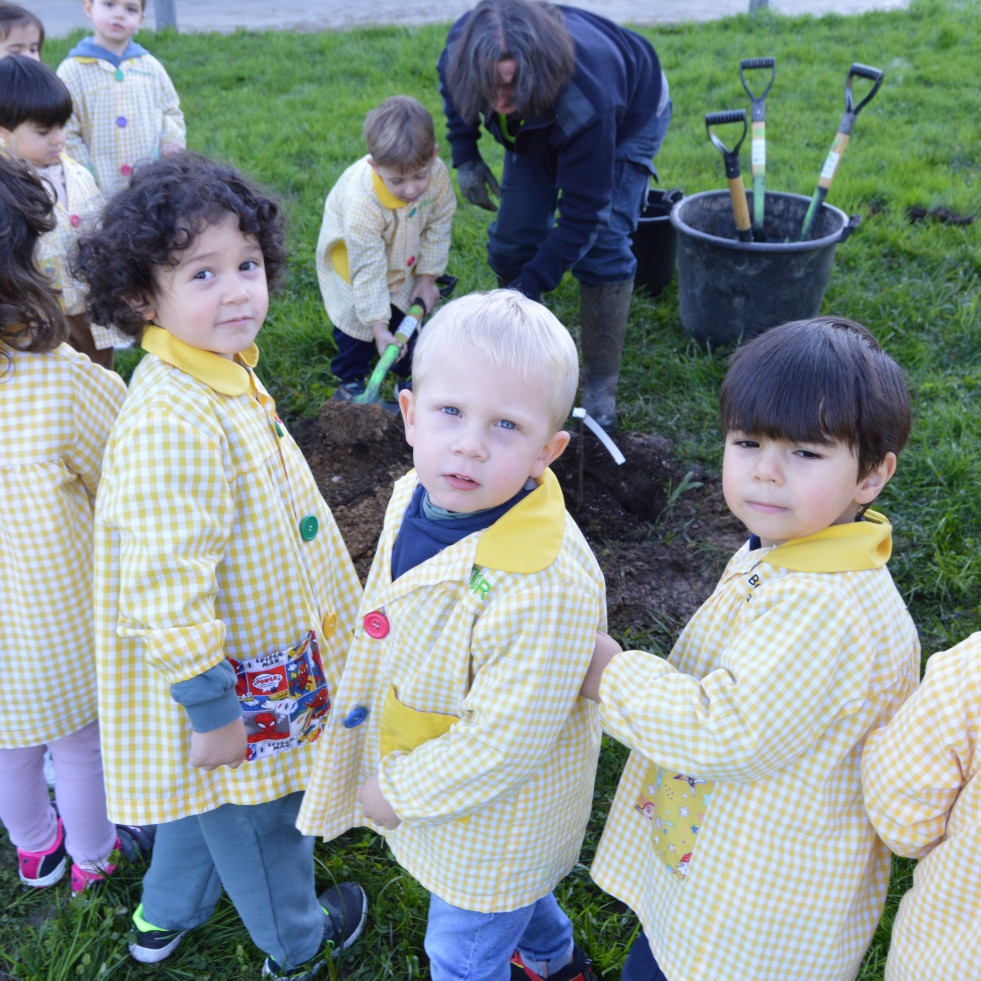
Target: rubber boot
(603, 314)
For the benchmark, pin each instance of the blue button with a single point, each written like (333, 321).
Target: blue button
(355, 717)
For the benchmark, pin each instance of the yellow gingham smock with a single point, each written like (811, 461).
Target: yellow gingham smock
(76, 215)
(56, 413)
(923, 796)
(494, 635)
(373, 246)
(768, 693)
(121, 116)
(199, 555)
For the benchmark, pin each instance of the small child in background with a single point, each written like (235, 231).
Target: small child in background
(21, 32)
(56, 412)
(35, 106)
(126, 107)
(225, 597)
(458, 724)
(922, 794)
(384, 240)
(738, 833)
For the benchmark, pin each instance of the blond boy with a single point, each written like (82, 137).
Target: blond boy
(126, 107)
(460, 733)
(384, 239)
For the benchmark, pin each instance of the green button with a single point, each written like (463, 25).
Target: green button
(279, 430)
(309, 527)
(119, 74)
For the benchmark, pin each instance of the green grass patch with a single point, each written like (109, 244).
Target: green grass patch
(288, 109)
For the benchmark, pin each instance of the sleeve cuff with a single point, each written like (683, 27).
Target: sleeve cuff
(209, 699)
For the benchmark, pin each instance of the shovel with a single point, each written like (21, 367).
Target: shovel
(758, 138)
(837, 150)
(731, 157)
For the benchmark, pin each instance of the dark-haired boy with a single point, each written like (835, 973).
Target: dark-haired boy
(738, 833)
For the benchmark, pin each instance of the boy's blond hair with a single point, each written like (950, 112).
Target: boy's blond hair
(512, 333)
(399, 133)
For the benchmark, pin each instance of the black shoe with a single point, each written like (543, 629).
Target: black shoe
(348, 391)
(151, 945)
(135, 842)
(346, 906)
(578, 969)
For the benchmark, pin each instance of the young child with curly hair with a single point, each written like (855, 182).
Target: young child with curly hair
(225, 598)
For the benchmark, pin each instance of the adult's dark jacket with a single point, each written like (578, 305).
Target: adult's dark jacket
(614, 90)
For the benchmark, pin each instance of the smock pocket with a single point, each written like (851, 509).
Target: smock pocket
(675, 804)
(404, 728)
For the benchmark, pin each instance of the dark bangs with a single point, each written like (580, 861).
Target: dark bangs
(819, 381)
(32, 92)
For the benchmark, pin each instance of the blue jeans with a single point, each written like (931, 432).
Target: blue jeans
(529, 198)
(262, 860)
(640, 964)
(466, 946)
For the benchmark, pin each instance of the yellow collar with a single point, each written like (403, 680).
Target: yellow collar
(383, 193)
(528, 537)
(851, 547)
(224, 376)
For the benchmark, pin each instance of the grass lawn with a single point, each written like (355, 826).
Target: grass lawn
(288, 110)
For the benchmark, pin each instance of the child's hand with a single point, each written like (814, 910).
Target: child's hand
(605, 650)
(376, 808)
(427, 291)
(220, 747)
(383, 337)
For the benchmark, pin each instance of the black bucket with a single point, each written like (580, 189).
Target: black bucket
(655, 243)
(730, 290)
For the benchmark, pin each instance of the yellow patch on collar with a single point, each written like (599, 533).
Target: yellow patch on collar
(850, 547)
(221, 374)
(528, 538)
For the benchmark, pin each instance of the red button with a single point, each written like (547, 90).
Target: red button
(75, 220)
(126, 170)
(376, 624)
(412, 261)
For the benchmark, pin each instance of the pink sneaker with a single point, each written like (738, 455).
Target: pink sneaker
(82, 878)
(132, 844)
(40, 869)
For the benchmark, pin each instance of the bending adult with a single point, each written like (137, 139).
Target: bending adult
(581, 107)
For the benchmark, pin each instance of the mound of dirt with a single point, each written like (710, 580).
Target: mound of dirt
(660, 549)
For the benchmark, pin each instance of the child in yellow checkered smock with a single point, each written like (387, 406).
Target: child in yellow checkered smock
(922, 794)
(126, 108)
(738, 833)
(385, 239)
(56, 412)
(225, 598)
(34, 108)
(457, 728)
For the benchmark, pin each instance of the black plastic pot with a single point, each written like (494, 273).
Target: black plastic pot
(655, 243)
(730, 290)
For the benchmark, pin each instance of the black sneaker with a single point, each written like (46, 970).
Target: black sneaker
(578, 969)
(135, 842)
(346, 907)
(348, 391)
(151, 944)
(40, 869)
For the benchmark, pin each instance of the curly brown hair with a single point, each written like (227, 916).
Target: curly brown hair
(147, 225)
(30, 315)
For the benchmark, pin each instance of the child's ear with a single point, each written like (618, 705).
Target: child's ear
(870, 486)
(407, 404)
(551, 451)
(372, 164)
(5, 133)
(143, 306)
